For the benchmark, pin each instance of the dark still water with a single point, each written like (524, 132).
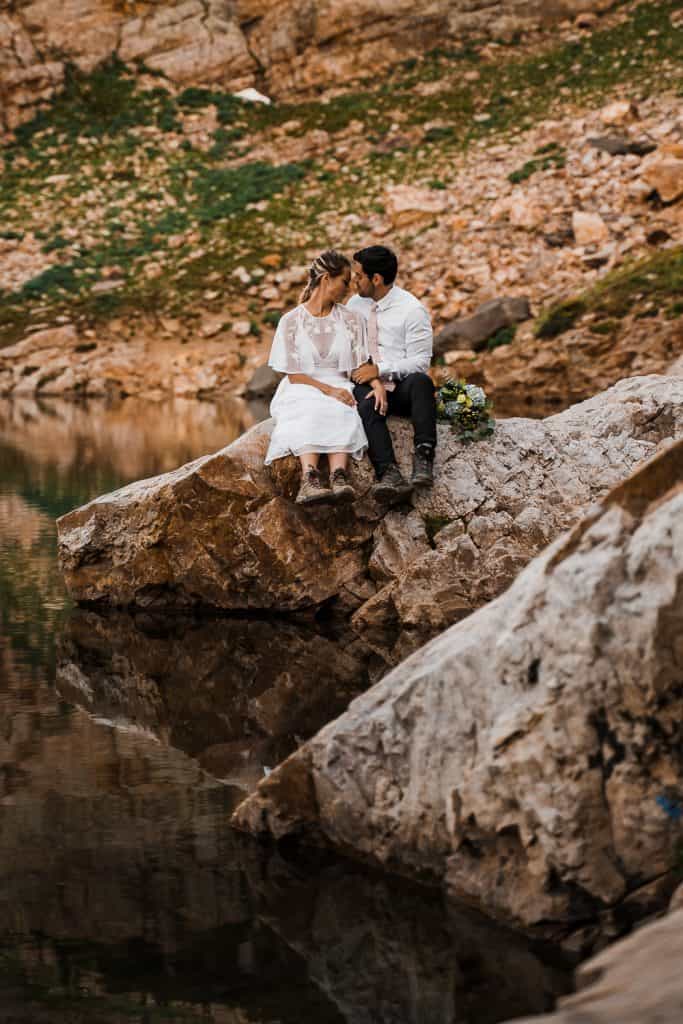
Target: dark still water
(125, 743)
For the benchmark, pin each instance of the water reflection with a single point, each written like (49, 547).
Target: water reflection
(236, 694)
(56, 455)
(125, 895)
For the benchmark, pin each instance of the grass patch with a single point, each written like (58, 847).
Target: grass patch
(649, 282)
(504, 336)
(550, 156)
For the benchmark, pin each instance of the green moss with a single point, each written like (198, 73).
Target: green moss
(560, 318)
(549, 156)
(505, 336)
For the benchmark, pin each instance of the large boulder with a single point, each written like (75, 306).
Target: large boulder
(636, 981)
(223, 531)
(530, 758)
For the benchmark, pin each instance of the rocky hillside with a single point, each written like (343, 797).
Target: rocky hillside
(282, 46)
(163, 225)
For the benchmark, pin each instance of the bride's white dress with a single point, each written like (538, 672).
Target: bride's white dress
(327, 348)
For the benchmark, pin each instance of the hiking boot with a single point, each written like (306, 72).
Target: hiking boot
(393, 487)
(423, 466)
(312, 491)
(341, 488)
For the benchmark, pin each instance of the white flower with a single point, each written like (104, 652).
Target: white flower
(476, 394)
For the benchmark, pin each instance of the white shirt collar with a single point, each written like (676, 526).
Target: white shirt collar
(388, 299)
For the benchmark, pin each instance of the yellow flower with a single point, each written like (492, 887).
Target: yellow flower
(462, 398)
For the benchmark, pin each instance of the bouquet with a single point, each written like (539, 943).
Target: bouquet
(467, 408)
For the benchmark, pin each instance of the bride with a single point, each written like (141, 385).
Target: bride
(318, 345)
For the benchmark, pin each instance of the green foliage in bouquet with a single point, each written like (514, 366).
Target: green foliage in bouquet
(466, 408)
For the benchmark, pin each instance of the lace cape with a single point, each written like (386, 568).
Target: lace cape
(307, 344)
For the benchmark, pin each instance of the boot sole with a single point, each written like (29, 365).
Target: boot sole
(344, 496)
(317, 499)
(390, 495)
(422, 481)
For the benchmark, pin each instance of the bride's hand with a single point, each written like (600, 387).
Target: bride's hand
(379, 393)
(342, 395)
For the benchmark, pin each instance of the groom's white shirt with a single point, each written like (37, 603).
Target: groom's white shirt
(405, 335)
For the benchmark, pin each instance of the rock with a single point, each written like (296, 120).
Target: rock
(531, 758)
(537, 378)
(619, 112)
(618, 145)
(589, 228)
(223, 531)
(474, 331)
(663, 171)
(635, 981)
(525, 211)
(407, 204)
(238, 46)
(251, 95)
(677, 899)
(263, 383)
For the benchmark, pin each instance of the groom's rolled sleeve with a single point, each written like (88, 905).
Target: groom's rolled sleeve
(419, 342)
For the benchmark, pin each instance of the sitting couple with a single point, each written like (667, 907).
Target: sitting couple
(347, 367)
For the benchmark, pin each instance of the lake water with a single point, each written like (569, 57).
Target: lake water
(125, 743)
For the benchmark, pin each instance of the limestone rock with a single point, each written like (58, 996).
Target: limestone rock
(589, 228)
(663, 171)
(635, 981)
(263, 383)
(223, 531)
(407, 204)
(240, 45)
(474, 331)
(532, 377)
(531, 758)
(619, 112)
(618, 145)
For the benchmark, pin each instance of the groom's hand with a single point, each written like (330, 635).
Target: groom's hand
(365, 373)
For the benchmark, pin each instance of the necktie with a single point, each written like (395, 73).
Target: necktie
(373, 342)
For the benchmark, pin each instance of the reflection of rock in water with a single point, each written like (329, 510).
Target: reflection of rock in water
(122, 887)
(392, 952)
(234, 693)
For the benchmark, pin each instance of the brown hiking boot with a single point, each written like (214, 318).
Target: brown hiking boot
(393, 487)
(423, 466)
(341, 488)
(312, 491)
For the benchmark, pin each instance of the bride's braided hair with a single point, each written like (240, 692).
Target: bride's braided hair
(328, 262)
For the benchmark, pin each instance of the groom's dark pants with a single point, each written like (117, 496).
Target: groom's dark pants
(413, 397)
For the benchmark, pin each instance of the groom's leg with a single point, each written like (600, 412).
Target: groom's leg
(414, 398)
(381, 450)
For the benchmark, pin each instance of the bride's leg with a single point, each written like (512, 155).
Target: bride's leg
(309, 461)
(338, 460)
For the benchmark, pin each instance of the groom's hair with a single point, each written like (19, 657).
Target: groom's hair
(377, 259)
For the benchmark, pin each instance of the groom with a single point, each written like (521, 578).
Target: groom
(400, 343)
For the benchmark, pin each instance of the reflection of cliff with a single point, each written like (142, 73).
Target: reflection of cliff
(76, 450)
(234, 693)
(394, 953)
(124, 895)
(118, 869)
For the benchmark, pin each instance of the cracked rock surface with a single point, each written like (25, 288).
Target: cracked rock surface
(223, 531)
(531, 758)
